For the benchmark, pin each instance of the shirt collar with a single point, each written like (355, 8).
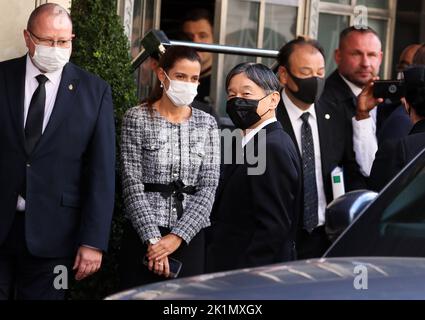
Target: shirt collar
(251, 133)
(293, 111)
(354, 89)
(32, 71)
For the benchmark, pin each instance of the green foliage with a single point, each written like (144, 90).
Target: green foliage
(101, 47)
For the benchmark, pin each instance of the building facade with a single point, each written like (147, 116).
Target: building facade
(264, 24)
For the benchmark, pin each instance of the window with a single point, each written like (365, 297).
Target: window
(336, 15)
(330, 26)
(266, 24)
(139, 17)
(405, 215)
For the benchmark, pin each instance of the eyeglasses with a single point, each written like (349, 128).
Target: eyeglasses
(50, 42)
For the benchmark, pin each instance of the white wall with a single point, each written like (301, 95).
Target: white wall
(14, 17)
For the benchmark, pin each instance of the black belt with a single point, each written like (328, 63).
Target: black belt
(176, 189)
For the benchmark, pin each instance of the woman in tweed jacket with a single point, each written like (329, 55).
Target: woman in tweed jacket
(170, 160)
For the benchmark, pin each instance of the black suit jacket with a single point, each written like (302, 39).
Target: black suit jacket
(336, 148)
(69, 178)
(254, 217)
(393, 155)
(337, 92)
(397, 125)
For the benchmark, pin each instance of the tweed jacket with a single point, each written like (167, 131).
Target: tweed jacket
(154, 150)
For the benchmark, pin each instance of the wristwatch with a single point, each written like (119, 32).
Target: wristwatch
(154, 240)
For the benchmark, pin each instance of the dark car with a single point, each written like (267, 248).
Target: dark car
(334, 278)
(379, 243)
(390, 225)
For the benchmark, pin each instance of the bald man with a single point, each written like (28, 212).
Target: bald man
(57, 164)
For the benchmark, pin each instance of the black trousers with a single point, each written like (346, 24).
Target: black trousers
(312, 245)
(26, 277)
(134, 273)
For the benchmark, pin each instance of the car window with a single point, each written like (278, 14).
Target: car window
(394, 224)
(405, 216)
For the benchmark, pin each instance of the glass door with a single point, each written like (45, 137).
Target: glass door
(267, 24)
(138, 18)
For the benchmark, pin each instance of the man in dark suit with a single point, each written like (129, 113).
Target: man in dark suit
(257, 205)
(393, 155)
(57, 163)
(323, 136)
(359, 56)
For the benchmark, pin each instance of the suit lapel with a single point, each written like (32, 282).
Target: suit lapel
(228, 170)
(345, 94)
(63, 105)
(16, 93)
(324, 128)
(283, 118)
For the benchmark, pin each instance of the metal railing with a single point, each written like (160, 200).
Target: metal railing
(155, 43)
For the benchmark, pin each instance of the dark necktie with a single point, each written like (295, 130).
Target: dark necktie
(310, 217)
(34, 123)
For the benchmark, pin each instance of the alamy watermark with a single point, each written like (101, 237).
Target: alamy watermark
(361, 277)
(60, 282)
(211, 148)
(360, 17)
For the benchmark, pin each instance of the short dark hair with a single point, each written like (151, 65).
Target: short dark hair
(414, 79)
(167, 62)
(198, 14)
(258, 73)
(286, 51)
(419, 57)
(363, 29)
(52, 8)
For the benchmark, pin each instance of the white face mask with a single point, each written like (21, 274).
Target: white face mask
(181, 93)
(50, 59)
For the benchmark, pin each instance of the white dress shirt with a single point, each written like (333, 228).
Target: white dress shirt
(365, 143)
(31, 84)
(252, 132)
(295, 114)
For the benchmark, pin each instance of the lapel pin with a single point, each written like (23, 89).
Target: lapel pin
(71, 87)
(327, 116)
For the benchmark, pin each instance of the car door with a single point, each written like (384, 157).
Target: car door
(394, 223)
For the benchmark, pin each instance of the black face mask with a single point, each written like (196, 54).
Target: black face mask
(309, 89)
(243, 112)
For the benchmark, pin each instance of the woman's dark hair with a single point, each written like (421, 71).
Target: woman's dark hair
(414, 79)
(258, 73)
(167, 62)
